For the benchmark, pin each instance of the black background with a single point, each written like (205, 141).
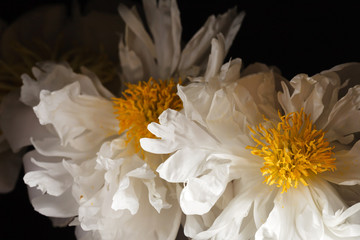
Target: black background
(296, 37)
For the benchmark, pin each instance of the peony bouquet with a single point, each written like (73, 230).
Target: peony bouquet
(124, 125)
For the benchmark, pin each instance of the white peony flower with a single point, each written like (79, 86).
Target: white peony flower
(88, 163)
(82, 168)
(160, 55)
(281, 152)
(46, 33)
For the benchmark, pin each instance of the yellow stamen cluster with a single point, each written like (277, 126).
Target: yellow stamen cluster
(292, 150)
(142, 104)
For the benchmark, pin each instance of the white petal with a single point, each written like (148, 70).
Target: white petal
(347, 167)
(220, 118)
(49, 177)
(136, 26)
(183, 164)
(126, 196)
(197, 223)
(344, 116)
(255, 96)
(131, 65)
(307, 95)
(205, 176)
(172, 129)
(342, 222)
(53, 77)
(347, 72)
(165, 26)
(294, 216)
(61, 205)
(196, 50)
(229, 224)
(78, 119)
(157, 194)
(52, 147)
(96, 215)
(216, 57)
(196, 100)
(200, 194)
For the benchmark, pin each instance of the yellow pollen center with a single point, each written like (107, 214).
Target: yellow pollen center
(142, 104)
(292, 150)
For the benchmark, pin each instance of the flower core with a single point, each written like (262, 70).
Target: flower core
(292, 150)
(142, 104)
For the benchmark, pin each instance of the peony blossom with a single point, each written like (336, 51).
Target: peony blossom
(46, 33)
(87, 167)
(160, 55)
(285, 149)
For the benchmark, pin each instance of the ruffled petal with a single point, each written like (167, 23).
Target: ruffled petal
(343, 117)
(236, 220)
(341, 222)
(136, 26)
(131, 65)
(69, 112)
(195, 52)
(48, 177)
(294, 216)
(163, 19)
(216, 57)
(62, 204)
(347, 167)
(205, 177)
(173, 125)
(53, 77)
(311, 94)
(348, 73)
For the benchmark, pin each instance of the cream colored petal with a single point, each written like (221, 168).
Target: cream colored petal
(294, 216)
(134, 44)
(255, 97)
(163, 19)
(347, 167)
(131, 65)
(82, 121)
(196, 98)
(96, 215)
(52, 147)
(137, 27)
(344, 116)
(53, 180)
(176, 131)
(347, 72)
(196, 50)
(234, 222)
(205, 177)
(51, 77)
(202, 192)
(50, 177)
(341, 221)
(228, 125)
(216, 57)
